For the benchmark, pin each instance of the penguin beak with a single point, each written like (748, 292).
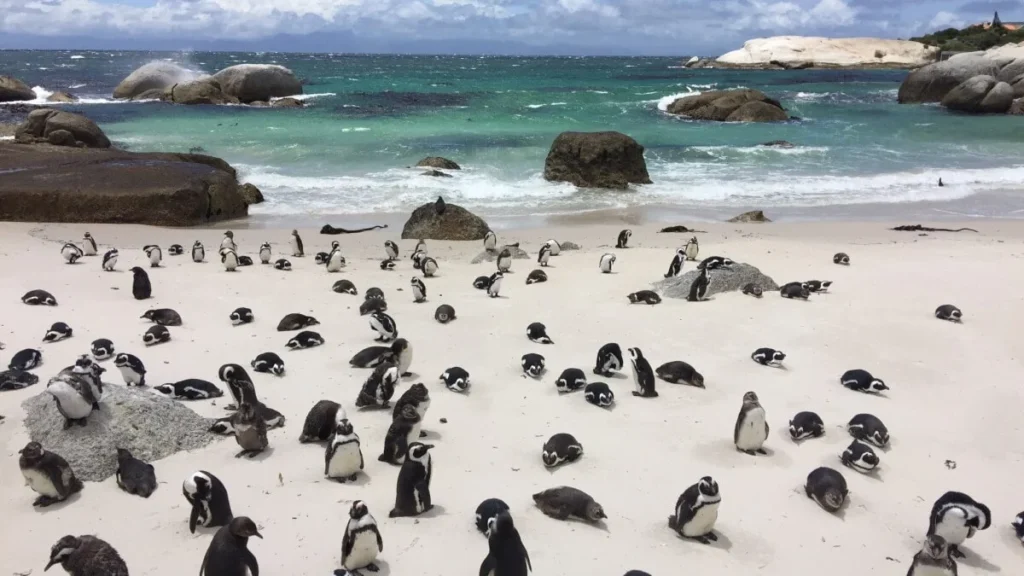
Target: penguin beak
(428, 446)
(258, 535)
(50, 563)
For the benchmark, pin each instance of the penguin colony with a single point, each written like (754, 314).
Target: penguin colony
(78, 390)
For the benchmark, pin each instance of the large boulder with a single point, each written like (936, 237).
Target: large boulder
(1017, 108)
(980, 95)
(1011, 71)
(438, 162)
(287, 103)
(42, 122)
(596, 160)
(13, 90)
(791, 52)
(251, 82)
(932, 82)
(150, 426)
(743, 105)
(61, 98)
(201, 91)
(1018, 86)
(153, 76)
(752, 216)
(456, 223)
(162, 94)
(721, 281)
(251, 193)
(58, 184)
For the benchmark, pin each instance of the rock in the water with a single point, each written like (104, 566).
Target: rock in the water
(13, 90)
(438, 162)
(1017, 109)
(1018, 86)
(287, 103)
(150, 426)
(485, 256)
(980, 95)
(721, 281)
(934, 81)
(200, 91)
(162, 94)
(791, 52)
(743, 105)
(40, 123)
(61, 97)
(758, 112)
(251, 82)
(61, 138)
(456, 223)
(752, 216)
(436, 174)
(251, 193)
(779, 144)
(153, 76)
(596, 160)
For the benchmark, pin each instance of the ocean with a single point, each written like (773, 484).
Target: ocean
(368, 118)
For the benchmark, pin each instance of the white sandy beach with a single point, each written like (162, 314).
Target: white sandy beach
(955, 395)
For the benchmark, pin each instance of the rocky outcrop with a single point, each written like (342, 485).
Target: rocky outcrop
(77, 129)
(794, 52)
(13, 90)
(287, 103)
(933, 82)
(251, 82)
(61, 98)
(149, 425)
(1017, 84)
(779, 144)
(250, 193)
(596, 160)
(456, 223)
(153, 76)
(1017, 108)
(201, 91)
(721, 281)
(980, 95)
(752, 216)
(162, 94)
(742, 105)
(490, 256)
(436, 174)
(438, 162)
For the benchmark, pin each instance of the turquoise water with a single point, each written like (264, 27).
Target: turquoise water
(370, 117)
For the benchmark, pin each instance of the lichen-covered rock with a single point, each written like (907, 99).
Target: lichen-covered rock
(13, 90)
(61, 98)
(932, 82)
(438, 162)
(980, 95)
(200, 91)
(456, 223)
(153, 76)
(742, 105)
(752, 216)
(251, 193)
(252, 82)
(42, 122)
(596, 160)
(721, 281)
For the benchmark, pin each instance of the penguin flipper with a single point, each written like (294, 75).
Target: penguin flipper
(193, 518)
(487, 566)
(346, 545)
(361, 467)
(206, 557)
(250, 561)
(380, 542)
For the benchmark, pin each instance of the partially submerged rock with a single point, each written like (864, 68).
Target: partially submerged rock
(436, 174)
(980, 95)
(596, 160)
(61, 98)
(41, 123)
(287, 103)
(250, 193)
(742, 105)
(721, 281)
(438, 162)
(752, 216)
(252, 82)
(14, 90)
(779, 144)
(153, 76)
(200, 91)
(934, 81)
(456, 223)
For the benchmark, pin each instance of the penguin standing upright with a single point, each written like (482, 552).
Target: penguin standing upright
(429, 267)
(335, 261)
(229, 241)
(697, 511)
(412, 493)
(296, 242)
(321, 421)
(609, 360)
(404, 430)
(504, 260)
(606, 263)
(47, 474)
(556, 248)
(198, 252)
(132, 369)
(699, 287)
(956, 517)
(643, 375)
(229, 258)
(419, 290)
(494, 284)
(379, 387)
(751, 426)
(691, 249)
(110, 260)
(933, 558)
(208, 498)
(506, 554)
(88, 245)
(76, 392)
(343, 458)
(490, 241)
(266, 253)
(385, 327)
(391, 249)
(623, 239)
(228, 554)
(85, 556)
(362, 542)
(439, 206)
(250, 429)
(421, 247)
(675, 268)
(154, 254)
(544, 255)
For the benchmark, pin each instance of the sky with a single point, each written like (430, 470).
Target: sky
(569, 27)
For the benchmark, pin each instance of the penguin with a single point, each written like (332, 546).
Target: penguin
(162, 316)
(391, 250)
(283, 264)
(544, 255)
(537, 333)
(439, 206)
(305, 339)
(404, 430)
(565, 501)
(384, 326)
(388, 264)
(794, 290)
(869, 428)
(48, 474)
(241, 316)
(715, 263)
(229, 259)
(401, 352)
(571, 380)
(859, 456)
(132, 369)
(268, 363)
(371, 306)
(444, 314)
(321, 421)
(335, 262)
(559, 449)
(155, 255)
(768, 357)
(57, 332)
(609, 360)
(649, 297)
(534, 277)
(506, 554)
(110, 260)
(675, 267)
(228, 554)
(362, 542)
(956, 517)
(156, 335)
(806, 425)
(76, 392)
(841, 258)
(250, 430)
(16, 380)
(296, 243)
(827, 488)
(429, 267)
(416, 396)
(190, 389)
(494, 284)
(25, 360)
(490, 241)
(1018, 526)
(209, 500)
(175, 250)
(343, 457)
(320, 258)
(949, 312)
(238, 383)
(374, 293)
(606, 263)
(455, 379)
(556, 248)
(691, 249)
(379, 387)
(419, 290)
(38, 298)
(933, 558)
(371, 356)
(481, 282)
(599, 394)
(345, 287)
(296, 321)
(486, 510)
(699, 286)
(70, 253)
(679, 372)
(133, 475)
(228, 241)
(504, 260)
(198, 252)
(412, 492)
(751, 426)
(417, 259)
(266, 253)
(751, 289)
(697, 511)
(141, 288)
(86, 555)
(623, 239)
(533, 365)
(244, 260)
(643, 375)
(817, 286)
(88, 245)
(862, 381)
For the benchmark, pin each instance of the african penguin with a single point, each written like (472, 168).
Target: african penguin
(343, 457)
(609, 360)
(794, 290)
(599, 394)
(76, 391)
(417, 259)
(190, 389)
(494, 284)
(606, 263)
(439, 206)
(419, 290)
(229, 259)
(623, 239)
(384, 326)
(388, 264)
(305, 339)
(26, 359)
(141, 288)
(48, 474)
(133, 475)
(699, 286)
(544, 255)
(175, 250)
(481, 282)
(131, 368)
(949, 312)
(335, 261)
(827, 488)
(86, 555)
(401, 352)
(504, 260)
(691, 249)
(559, 449)
(296, 321)
(644, 297)
(156, 335)
(228, 241)
(533, 365)
(16, 380)
(444, 314)
(506, 554)
(421, 246)
(697, 511)
(556, 248)
(933, 559)
(379, 387)
(841, 258)
(154, 254)
(412, 492)
(372, 305)
(490, 241)
(228, 554)
(57, 332)
(538, 333)
(564, 502)
(268, 363)
(768, 357)
(806, 425)
(265, 253)
(250, 429)
(70, 253)
(455, 379)
(751, 289)
(679, 372)
(374, 293)
(859, 456)
(198, 252)
(241, 316)
(283, 264)
(110, 260)
(956, 517)
(1018, 526)
(751, 426)
(406, 422)
(675, 267)
(571, 380)
(345, 287)
(862, 381)
(39, 298)
(321, 421)
(162, 316)
(869, 428)
(88, 245)
(486, 510)
(714, 263)
(643, 375)
(534, 277)
(296, 244)
(429, 267)
(320, 258)
(817, 285)
(362, 542)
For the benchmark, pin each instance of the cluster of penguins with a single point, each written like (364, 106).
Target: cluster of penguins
(77, 391)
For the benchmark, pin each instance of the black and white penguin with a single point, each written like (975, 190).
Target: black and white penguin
(841, 258)
(418, 397)
(401, 354)
(76, 391)
(751, 289)
(643, 375)
(817, 285)
(560, 449)
(296, 244)
(209, 500)
(229, 258)
(751, 429)
(533, 365)
(345, 287)
(715, 263)
(439, 206)
(859, 456)
(827, 487)
(70, 253)
(154, 254)
(486, 510)
(494, 284)
(806, 425)
(506, 554)
(228, 241)
(229, 554)
(190, 389)
(956, 517)
(48, 474)
(372, 356)
(16, 380)
(544, 255)
(57, 332)
(241, 316)
(362, 542)
(384, 326)
(697, 511)
(175, 250)
(949, 312)
(456, 379)
(412, 492)
(675, 267)
(283, 264)
(481, 282)
(26, 359)
(162, 316)
(296, 321)
(88, 245)
(490, 241)
(599, 394)
(374, 293)
(379, 387)
(305, 339)
(391, 250)
(244, 260)
(141, 288)
(649, 297)
(699, 286)
(556, 248)
(444, 314)
(406, 422)
(343, 456)
(198, 251)
(623, 239)
(679, 372)
(417, 259)
(86, 555)
(419, 290)
(239, 383)
(250, 429)
(321, 421)
(133, 475)
(538, 333)
(102, 349)
(429, 267)
(110, 260)
(335, 261)
(320, 258)
(609, 360)
(38, 298)
(933, 558)
(131, 368)
(372, 305)
(156, 335)
(571, 380)
(795, 290)
(768, 357)
(534, 277)
(862, 381)
(268, 363)
(564, 502)
(388, 264)
(266, 253)
(606, 263)
(869, 428)
(1018, 526)
(504, 260)
(691, 249)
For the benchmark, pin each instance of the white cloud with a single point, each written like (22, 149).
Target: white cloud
(944, 20)
(790, 17)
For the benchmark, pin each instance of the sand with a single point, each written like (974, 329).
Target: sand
(955, 396)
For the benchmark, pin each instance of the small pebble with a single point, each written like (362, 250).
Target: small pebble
(444, 420)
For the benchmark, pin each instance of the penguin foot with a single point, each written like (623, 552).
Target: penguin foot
(749, 452)
(231, 407)
(955, 552)
(44, 501)
(67, 423)
(711, 536)
(339, 480)
(81, 422)
(422, 433)
(762, 451)
(340, 572)
(372, 567)
(701, 539)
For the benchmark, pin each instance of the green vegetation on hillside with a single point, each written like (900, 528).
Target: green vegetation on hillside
(971, 38)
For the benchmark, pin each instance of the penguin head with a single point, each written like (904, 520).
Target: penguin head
(244, 527)
(595, 512)
(197, 244)
(935, 546)
(310, 321)
(841, 258)
(166, 389)
(343, 427)
(139, 272)
(419, 452)
(62, 550)
(32, 451)
(499, 525)
(633, 298)
(707, 486)
(778, 356)
(877, 385)
(222, 426)
(881, 438)
(123, 454)
(121, 360)
(750, 398)
(795, 432)
(550, 459)
(148, 314)
(358, 510)
(229, 234)
(697, 379)
(636, 354)
(419, 392)
(227, 372)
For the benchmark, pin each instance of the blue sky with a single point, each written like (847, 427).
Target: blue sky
(670, 27)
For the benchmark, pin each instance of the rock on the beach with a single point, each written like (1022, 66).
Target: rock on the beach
(456, 223)
(149, 425)
(162, 94)
(251, 193)
(251, 82)
(1017, 108)
(153, 76)
(743, 105)
(752, 216)
(13, 90)
(596, 160)
(721, 281)
(980, 95)
(287, 103)
(44, 121)
(61, 97)
(932, 82)
(438, 162)
(485, 256)
(790, 51)
(200, 91)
